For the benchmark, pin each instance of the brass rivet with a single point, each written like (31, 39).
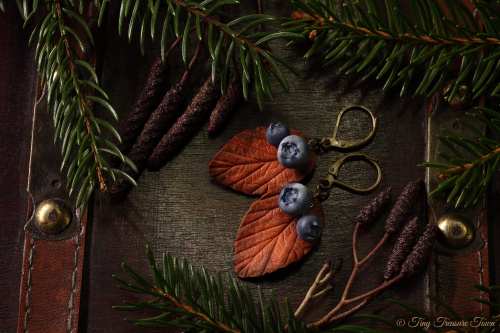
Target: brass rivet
(456, 102)
(456, 230)
(52, 216)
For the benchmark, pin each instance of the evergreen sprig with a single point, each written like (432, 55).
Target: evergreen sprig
(392, 44)
(72, 91)
(192, 300)
(471, 164)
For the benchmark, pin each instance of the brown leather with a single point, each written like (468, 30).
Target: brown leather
(52, 269)
(452, 275)
(51, 284)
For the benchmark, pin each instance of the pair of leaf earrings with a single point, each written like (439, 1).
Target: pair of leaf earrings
(280, 229)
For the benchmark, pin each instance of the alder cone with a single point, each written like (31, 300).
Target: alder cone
(184, 128)
(419, 256)
(155, 87)
(402, 249)
(249, 164)
(368, 214)
(267, 239)
(403, 206)
(226, 104)
(152, 132)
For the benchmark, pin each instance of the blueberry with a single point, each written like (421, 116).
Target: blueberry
(276, 133)
(309, 227)
(293, 152)
(295, 199)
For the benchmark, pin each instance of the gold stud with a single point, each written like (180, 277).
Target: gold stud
(456, 231)
(53, 216)
(456, 102)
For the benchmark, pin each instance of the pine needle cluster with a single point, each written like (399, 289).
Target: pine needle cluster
(193, 300)
(394, 43)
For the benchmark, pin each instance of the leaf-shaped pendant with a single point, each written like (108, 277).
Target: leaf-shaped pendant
(249, 164)
(267, 238)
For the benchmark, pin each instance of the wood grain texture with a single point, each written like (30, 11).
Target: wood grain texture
(18, 81)
(181, 209)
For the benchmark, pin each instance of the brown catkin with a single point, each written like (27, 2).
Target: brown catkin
(160, 120)
(417, 259)
(185, 126)
(226, 104)
(402, 249)
(372, 211)
(403, 206)
(155, 88)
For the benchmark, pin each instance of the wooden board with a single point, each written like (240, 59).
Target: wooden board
(180, 209)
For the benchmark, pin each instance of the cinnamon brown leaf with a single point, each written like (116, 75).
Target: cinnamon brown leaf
(267, 239)
(249, 164)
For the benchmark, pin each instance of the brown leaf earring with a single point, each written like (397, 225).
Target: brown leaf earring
(287, 221)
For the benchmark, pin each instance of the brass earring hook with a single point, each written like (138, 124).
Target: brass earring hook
(324, 186)
(333, 141)
(351, 144)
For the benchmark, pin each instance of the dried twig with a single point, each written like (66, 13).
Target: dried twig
(408, 258)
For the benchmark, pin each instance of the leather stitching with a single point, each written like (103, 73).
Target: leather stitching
(28, 285)
(74, 283)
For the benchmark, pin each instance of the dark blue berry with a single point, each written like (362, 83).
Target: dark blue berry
(309, 227)
(276, 133)
(295, 199)
(293, 152)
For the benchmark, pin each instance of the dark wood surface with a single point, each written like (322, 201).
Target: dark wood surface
(180, 209)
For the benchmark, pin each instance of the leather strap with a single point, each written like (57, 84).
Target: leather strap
(53, 262)
(51, 284)
(454, 271)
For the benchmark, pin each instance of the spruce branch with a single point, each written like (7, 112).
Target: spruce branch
(431, 39)
(395, 43)
(82, 104)
(62, 37)
(190, 299)
(471, 164)
(189, 309)
(72, 92)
